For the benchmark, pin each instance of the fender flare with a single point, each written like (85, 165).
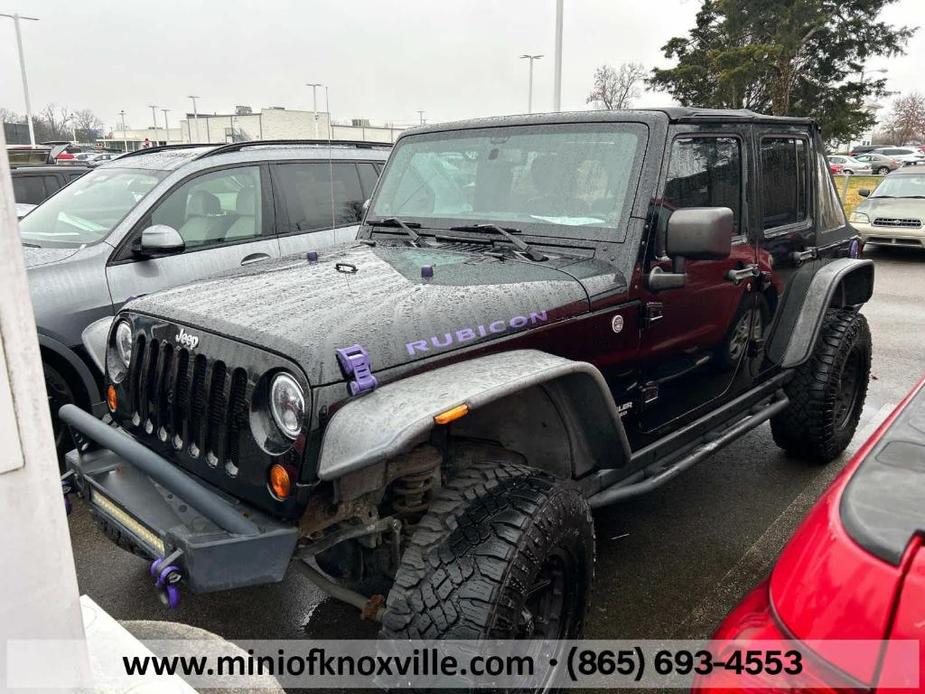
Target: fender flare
(844, 282)
(397, 416)
(77, 365)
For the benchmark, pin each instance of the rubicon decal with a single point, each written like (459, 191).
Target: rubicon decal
(475, 332)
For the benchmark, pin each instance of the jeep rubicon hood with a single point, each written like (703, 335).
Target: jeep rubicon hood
(378, 297)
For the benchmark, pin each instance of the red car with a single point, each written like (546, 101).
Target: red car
(836, 168)
(853, 571)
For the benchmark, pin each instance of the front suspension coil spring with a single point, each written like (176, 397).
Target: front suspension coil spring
(411, 493)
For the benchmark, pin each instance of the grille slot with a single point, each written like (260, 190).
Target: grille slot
(197, 405)
(905, 223)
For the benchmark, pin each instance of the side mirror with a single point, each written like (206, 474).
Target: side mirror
(695, 233)
(160, 239)
(864, 192)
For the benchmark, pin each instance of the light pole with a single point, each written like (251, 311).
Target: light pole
(22, 67)
(531, 58)
(314, 86)
(124, 138)
(166, 127)
(196, 117)
(154, 118)
(421, 116)
(557, 86)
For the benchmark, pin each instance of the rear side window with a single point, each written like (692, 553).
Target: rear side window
(369, 174)
(29, 189)
(705, 172)
(784, 183)
(308, 190)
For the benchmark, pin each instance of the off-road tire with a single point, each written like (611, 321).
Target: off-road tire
(479, 548)
(59, 393)
(810, 428)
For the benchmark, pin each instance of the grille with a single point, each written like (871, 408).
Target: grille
(195, 404)
(907, 223)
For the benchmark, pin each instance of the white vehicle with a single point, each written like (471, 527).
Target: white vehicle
(909, 156)
(850, 165)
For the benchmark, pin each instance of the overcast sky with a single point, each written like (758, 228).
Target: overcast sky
(382, 59)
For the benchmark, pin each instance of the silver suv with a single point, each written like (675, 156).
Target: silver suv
(162, 217)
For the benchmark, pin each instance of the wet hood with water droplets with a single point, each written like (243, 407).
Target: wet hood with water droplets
(375, 297)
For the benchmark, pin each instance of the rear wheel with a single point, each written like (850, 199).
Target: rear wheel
(504, 552)
(883, 170)
(827, 392)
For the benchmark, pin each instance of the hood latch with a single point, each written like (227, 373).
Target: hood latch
(354, 363)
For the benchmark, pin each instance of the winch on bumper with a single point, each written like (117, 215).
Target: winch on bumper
(213, 540)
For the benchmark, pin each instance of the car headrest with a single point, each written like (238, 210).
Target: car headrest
(201, 203)
(246, 203)
(546, 174)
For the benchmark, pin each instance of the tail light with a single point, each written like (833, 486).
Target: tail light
(753, 621)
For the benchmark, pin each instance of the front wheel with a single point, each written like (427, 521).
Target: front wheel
(59, 393)
(505, 552)
(827, 392)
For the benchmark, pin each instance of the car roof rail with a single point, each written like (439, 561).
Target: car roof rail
(238, 146)
(162, 148)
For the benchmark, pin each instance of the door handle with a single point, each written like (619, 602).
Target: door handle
(254, 257)
(745, 273)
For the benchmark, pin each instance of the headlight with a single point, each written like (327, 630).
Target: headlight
(123, 340)
(860, 218)
(287, 404)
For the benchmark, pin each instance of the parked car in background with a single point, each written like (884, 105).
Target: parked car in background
(908, 156)
(835, 168)
(879, 163)
(850, 165)
(33, 184)
(96, 158)
(854, 570)
(165, 216)
(863, 149)
(894, 213)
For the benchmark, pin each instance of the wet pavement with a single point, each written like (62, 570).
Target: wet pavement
(669, 564)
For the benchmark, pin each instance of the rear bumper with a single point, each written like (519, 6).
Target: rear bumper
(217, 542)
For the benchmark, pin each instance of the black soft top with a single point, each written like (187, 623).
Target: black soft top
(671, 114)
(883, 506)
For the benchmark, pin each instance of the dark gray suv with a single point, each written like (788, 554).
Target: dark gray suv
(162, 217)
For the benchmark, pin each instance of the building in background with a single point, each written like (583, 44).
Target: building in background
(272, 123)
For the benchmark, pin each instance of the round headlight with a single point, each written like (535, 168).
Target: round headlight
(287, 404)
(123, 339)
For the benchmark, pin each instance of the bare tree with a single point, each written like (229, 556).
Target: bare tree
(906, 120)
(8, 116)
(87, 124)
(51, 123)
(616, 88)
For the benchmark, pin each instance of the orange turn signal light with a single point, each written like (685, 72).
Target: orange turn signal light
(280, 484)
(452, 414)
(111, 398)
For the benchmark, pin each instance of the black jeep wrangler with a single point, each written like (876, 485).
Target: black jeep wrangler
(542, 315)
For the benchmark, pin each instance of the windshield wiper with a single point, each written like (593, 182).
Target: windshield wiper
(405, 226)
(508, 233)
(30, 245)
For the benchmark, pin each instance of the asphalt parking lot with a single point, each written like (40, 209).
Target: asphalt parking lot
(670, 564)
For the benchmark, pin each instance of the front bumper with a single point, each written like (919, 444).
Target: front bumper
(217, 542)
(908, 237)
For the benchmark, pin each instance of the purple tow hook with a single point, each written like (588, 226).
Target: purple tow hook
(167, 581)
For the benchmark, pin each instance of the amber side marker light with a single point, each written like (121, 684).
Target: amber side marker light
(111, 398)
(452, 414)
(280, 484)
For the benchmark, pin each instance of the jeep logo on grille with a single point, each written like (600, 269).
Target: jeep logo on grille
(185, 339)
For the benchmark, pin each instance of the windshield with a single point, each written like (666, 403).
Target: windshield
(552, 180)
(901, 187)
(88, 209)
